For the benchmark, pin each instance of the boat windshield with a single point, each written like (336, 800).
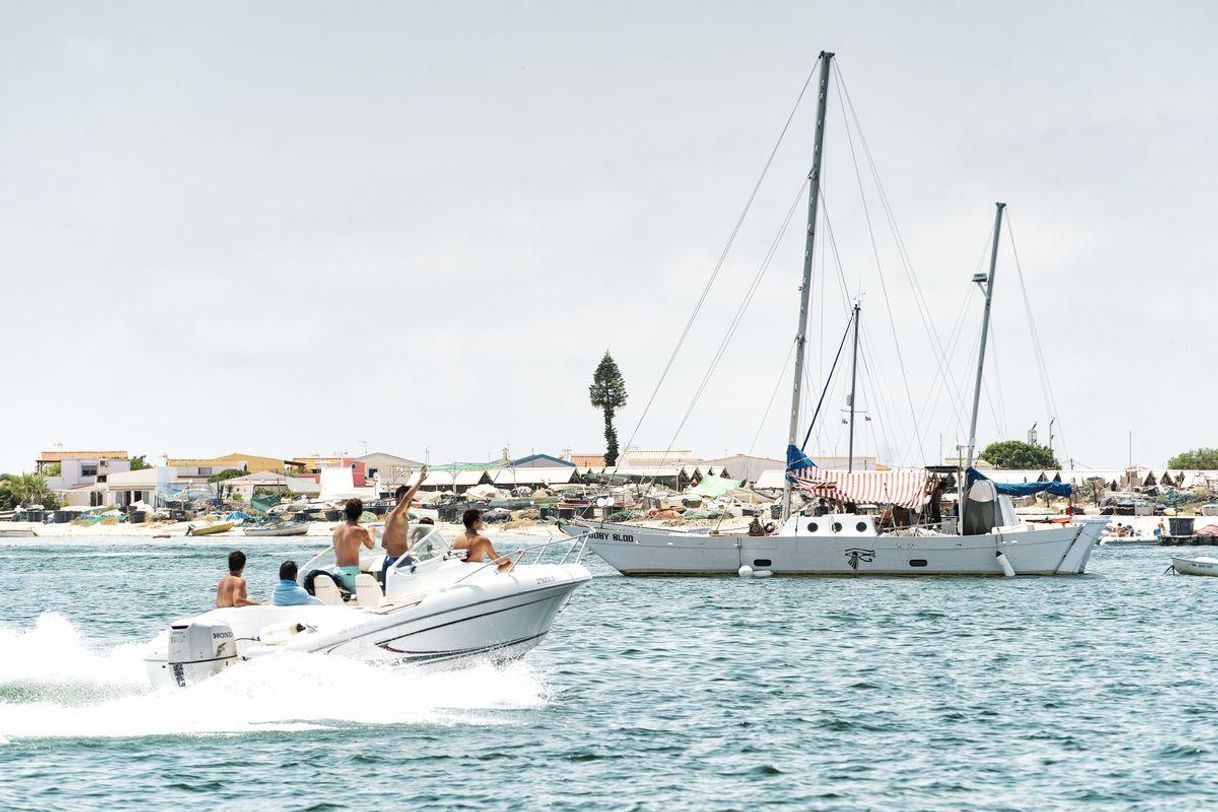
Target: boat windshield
(426, 543)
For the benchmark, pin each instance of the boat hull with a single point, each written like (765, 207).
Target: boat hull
(1195, 566)
(641, 551)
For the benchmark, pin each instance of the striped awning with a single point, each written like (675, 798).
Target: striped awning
(908, 489)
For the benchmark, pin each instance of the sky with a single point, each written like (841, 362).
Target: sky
(288, 228)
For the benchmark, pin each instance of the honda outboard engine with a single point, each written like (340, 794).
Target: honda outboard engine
(200, 650)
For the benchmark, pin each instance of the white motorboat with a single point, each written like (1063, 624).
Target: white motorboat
(17, 532)
(1201, 565)
(436, 608)
(1129, 541)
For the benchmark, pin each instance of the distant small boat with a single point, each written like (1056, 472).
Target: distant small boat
(211, 529)
(1202, 565)
(1129, 541)
(17, 532)
(280, 529)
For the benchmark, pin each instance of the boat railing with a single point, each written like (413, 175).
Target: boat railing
(573, 550)
(432, 546)
(323, 560)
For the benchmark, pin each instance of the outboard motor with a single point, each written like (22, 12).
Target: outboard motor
(200, 650)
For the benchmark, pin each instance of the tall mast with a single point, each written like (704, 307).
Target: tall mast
(985, 330)
(806, 289)
(854, 376)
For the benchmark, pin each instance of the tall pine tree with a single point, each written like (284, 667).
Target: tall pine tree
(608, 393)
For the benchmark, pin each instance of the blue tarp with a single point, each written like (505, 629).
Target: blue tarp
(1023, 488)
(797, 459)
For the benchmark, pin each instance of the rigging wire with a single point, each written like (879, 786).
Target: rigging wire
(869, 385)
(781, 377)
(902, 251)
(937, 386)
(878, 398)
(737, 318)
(825, 390)
(875, 252)
(1042, 367)
(722, 257)
(1000, 414)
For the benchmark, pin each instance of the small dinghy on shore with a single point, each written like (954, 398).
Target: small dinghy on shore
(1201, 565)
(209, 529)
(279, 529)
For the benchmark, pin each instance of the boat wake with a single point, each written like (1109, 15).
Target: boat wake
(54, 685)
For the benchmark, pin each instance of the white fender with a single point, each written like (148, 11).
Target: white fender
(1005, 563)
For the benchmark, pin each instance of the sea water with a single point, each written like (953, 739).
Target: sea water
(717, 693)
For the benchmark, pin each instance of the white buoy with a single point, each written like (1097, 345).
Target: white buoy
(1005, 563)
(745, 571)
(762, 573)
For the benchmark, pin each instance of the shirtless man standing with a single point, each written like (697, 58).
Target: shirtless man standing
(474, 543)
(396, 536)
(348, 538)
(231, 589)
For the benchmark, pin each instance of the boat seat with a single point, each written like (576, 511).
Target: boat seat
(326, 590)
(367, 592)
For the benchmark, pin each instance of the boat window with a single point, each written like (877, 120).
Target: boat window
(761, 562)
(837, 527)
(917, 562)
(813, 527)
(861, 527)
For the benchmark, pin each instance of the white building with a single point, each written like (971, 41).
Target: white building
(80, 469)
(121, 489)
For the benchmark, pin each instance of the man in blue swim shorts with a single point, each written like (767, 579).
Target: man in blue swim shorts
(349, 537)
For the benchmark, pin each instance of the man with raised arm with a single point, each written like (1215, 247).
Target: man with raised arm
(349, 537)
(395, 538)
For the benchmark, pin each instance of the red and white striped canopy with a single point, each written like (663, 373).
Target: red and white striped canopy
(908, 489)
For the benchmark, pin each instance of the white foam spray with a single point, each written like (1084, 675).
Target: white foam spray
(53, 685)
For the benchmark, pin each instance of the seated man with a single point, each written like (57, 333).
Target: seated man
(475, 544)
(231, 589)
(289, 593)
(348, 538)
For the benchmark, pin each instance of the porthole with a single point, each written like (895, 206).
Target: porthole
(861, 527)
(837, 527)
(917, 562)
(813, 527)
(761, 562)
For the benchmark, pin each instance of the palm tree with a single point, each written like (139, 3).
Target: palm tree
(31, 489)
